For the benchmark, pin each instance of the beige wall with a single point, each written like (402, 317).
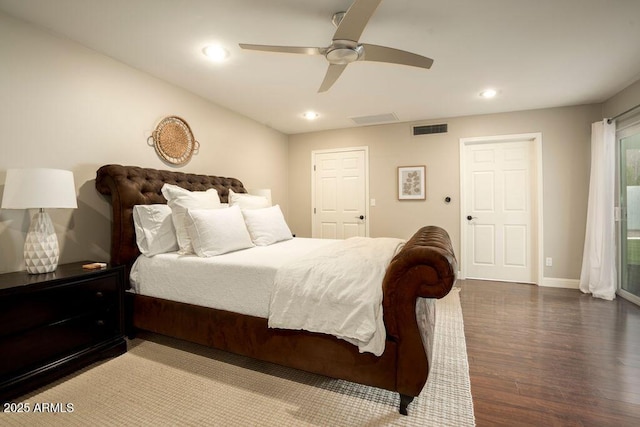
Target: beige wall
(566, 145)
(623, 101)
(65, 106)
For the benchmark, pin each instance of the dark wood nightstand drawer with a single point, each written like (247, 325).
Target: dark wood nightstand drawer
(52, 324)
(22, 312)
(41, 345)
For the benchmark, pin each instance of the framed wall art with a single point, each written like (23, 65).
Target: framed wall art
(411, 183)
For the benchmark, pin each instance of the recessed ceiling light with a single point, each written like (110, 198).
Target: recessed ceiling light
(310, 115)
(488, 93)
(215, 53)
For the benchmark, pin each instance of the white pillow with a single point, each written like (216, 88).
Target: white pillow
(155, 233)
(248, 201)
(266, 226)
(217, 231)
(179, 200)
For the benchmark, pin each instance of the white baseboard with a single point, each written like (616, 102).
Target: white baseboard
(548, 282)
(552, 282)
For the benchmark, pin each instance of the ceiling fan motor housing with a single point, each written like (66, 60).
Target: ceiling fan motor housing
(343, 52)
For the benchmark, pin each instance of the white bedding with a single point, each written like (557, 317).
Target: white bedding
(319, 285)
(336, 290)
(240, 281)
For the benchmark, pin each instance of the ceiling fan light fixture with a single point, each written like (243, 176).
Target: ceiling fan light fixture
(488, 93)
(343, 52)
(215, 53)
(310, 115)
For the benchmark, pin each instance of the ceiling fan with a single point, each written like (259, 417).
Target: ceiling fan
(345, 47)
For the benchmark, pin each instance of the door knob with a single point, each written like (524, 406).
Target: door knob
(469, 217)
(360, 217)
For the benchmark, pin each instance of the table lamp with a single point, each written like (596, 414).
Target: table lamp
(40, 188)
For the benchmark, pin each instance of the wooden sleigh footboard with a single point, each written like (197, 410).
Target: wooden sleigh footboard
(424, 268)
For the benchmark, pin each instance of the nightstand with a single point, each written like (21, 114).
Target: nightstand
(55, 323)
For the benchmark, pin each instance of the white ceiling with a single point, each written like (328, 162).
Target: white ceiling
(536, 53)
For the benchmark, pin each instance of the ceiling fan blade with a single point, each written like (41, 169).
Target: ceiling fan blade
(333, 72)
(356, 18)
(376, 53)
(285, 49)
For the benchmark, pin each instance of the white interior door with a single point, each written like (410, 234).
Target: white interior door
(340, 193)
(499, 227)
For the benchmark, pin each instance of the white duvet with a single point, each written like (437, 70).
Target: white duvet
(240, 281)
(337, 290)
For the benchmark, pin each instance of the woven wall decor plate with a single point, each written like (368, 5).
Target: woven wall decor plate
(174, 141)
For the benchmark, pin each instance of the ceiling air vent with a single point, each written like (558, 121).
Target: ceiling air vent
(375, 119)
(430, 129)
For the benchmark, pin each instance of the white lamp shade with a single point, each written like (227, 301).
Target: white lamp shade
(39, 188)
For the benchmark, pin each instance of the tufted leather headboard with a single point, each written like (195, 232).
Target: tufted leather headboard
(131, 185)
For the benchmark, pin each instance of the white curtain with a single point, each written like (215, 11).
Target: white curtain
(598, 275)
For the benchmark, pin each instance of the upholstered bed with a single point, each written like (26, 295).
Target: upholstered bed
(424, 269)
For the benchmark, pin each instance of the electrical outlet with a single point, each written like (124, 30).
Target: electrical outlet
(548, 261)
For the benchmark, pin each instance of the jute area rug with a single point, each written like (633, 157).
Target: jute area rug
(164, 382)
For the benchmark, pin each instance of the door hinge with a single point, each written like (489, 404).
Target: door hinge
(314, 210)
(314, 168)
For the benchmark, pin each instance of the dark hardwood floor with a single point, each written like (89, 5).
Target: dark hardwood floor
(550, 357)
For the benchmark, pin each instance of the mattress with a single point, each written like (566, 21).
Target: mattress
(240, 281)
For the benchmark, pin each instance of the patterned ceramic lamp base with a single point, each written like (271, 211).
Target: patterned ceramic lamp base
(41, 251)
